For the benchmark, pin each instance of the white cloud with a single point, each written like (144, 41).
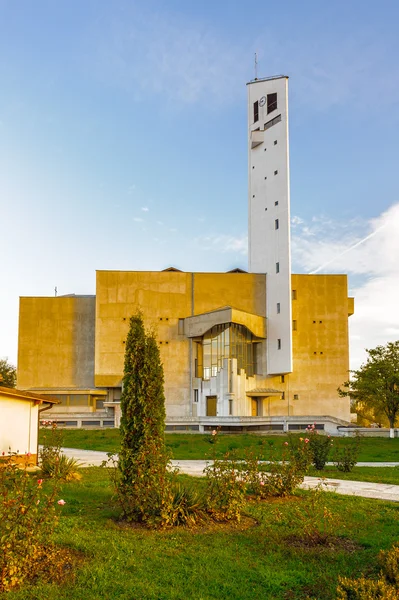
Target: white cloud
(224, 243)
(145, 209)
(369, 252)
(170, 55)
(295, 221)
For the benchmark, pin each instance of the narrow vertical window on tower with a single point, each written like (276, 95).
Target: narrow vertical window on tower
(276, 224)
(277, 267)
(278, 308)
(256, 111)
(279, 344)
(271, 102)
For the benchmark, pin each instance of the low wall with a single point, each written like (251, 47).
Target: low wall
(366, 431)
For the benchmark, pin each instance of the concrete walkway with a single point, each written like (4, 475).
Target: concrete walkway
(382, 491)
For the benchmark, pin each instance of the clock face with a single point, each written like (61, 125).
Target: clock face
(262, 101)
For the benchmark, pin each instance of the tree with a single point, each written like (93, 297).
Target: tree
(143, 459)
(8, 374)
(375, 385)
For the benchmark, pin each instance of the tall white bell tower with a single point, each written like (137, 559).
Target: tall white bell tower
(269, 211)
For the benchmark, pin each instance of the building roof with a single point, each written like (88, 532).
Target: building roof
(22, 395)
(259, 79)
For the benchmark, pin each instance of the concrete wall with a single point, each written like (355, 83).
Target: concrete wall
(269, 213)
(244, 291)
(56, 342)
(320, 345)
(49, 346)
(165, 297)
(18, 426)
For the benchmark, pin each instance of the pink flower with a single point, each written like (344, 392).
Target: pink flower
(28, 454)
(39, 481)
(285, 443)
(214, 432)
(61, 502)
(262, 483)
(306, 440)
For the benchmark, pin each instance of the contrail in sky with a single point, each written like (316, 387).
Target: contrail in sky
(348, 250)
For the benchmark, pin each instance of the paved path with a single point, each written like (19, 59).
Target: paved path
(382, 491)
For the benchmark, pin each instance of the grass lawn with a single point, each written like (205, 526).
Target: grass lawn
(196, 446)
(388, 475)
(262, 562)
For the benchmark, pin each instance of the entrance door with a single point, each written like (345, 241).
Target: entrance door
(254, 407)
(211, 403)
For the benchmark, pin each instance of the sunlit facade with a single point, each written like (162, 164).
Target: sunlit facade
(229, 340)
(264, 349)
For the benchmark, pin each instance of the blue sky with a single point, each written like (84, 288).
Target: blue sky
(123, 143)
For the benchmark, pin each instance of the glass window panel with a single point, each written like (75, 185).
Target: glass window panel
(227, 341)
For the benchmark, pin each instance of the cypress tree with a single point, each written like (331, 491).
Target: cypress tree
(142, 406)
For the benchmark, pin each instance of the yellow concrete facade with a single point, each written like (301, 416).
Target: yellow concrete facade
(74, 346)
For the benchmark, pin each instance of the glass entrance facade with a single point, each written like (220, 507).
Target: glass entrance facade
(229, 340)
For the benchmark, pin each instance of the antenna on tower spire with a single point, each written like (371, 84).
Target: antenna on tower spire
(256, 65)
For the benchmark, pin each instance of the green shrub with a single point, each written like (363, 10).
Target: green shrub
(61, 466)
(283, 476)
(389, 560)
(145, 495)
(27, 521)
(386, 587)
(225, 488)
(345, 458)
(53, 462)
(320, 446)
(365, 589)
(153, 496)
(314, 519)
(185, 506)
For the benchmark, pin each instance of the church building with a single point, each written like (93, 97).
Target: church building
(249, 351)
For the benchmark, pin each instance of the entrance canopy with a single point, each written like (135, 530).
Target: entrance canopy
(265, 392)
(198, 325)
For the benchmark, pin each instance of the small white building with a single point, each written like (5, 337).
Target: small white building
(20, 413)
